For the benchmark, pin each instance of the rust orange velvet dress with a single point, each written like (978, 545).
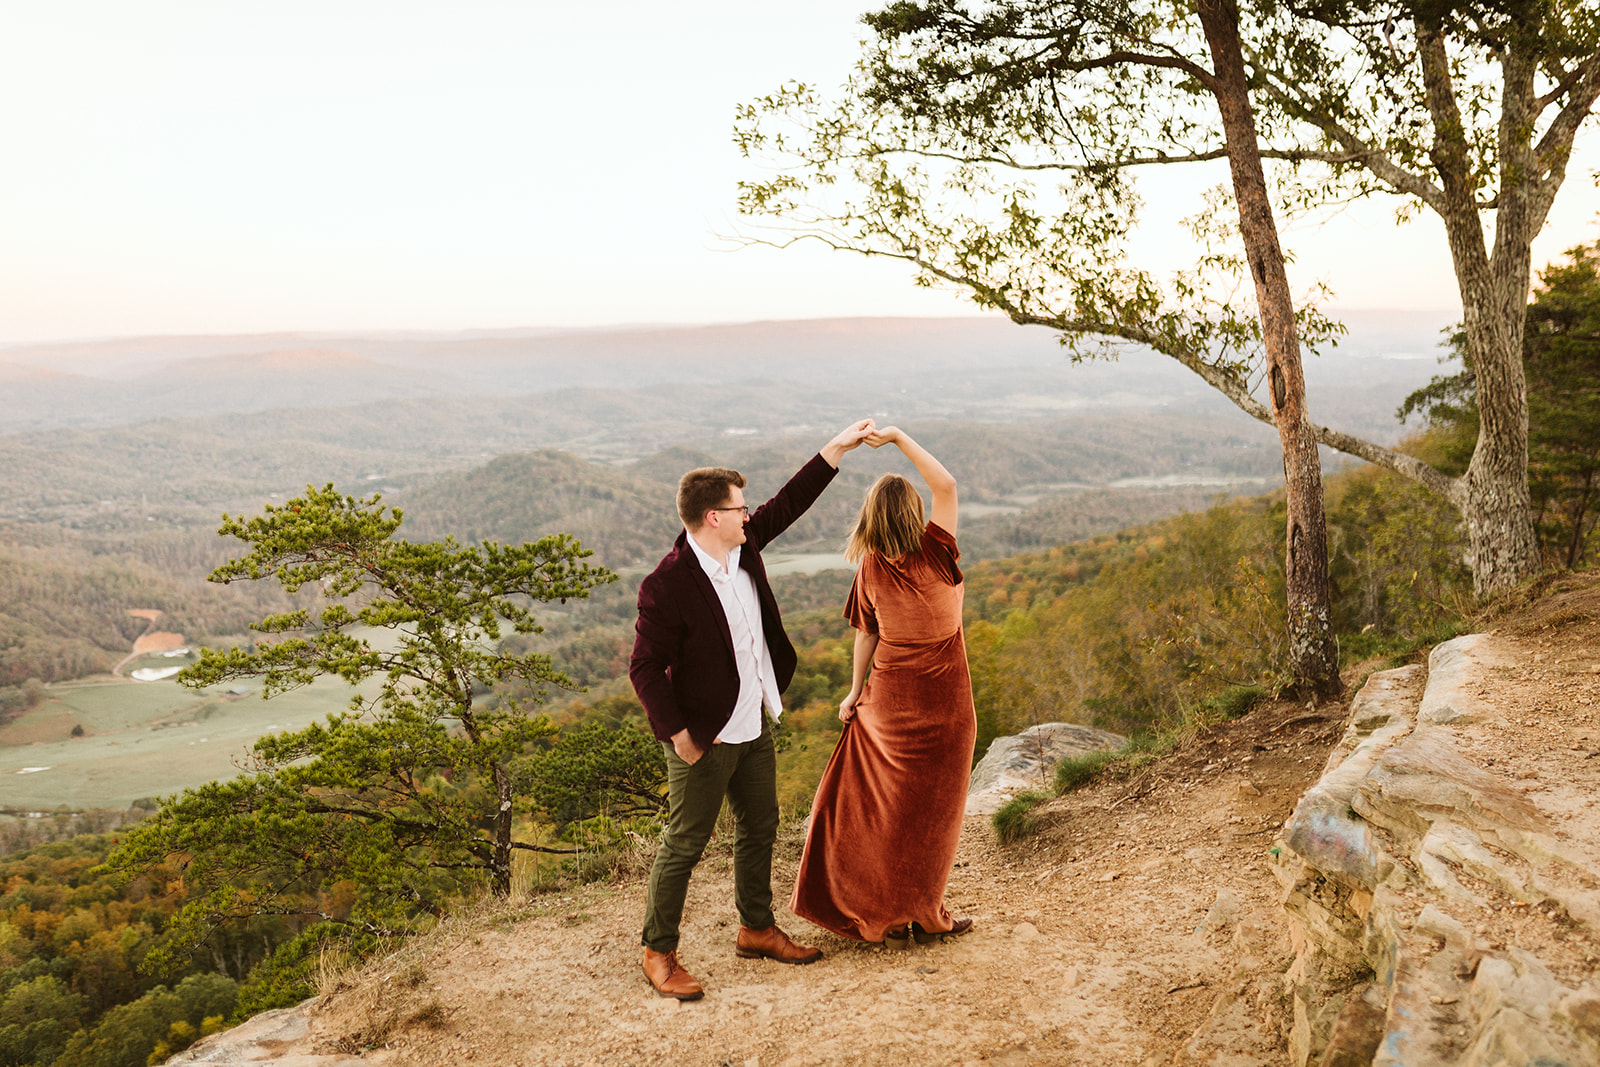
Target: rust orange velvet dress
(888, 811)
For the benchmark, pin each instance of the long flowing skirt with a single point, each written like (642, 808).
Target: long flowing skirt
(888, 811)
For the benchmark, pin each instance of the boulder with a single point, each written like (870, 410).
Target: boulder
(1027, 761)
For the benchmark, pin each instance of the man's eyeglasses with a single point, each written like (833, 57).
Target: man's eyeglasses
(741, 508)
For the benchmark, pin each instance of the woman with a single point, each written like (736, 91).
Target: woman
(888, 811)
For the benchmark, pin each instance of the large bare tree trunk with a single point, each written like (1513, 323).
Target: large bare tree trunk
(1313, 651)
(1503, 546)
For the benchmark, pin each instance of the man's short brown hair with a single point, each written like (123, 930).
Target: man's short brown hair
(702, 489)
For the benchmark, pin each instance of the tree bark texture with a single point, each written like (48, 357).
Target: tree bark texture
(500, 865)
(500, 827)
(1503, 547)
(1313, 650)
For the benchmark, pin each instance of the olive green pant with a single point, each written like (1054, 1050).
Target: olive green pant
(747, 775)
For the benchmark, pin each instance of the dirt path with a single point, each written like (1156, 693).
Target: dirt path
(1141, 925)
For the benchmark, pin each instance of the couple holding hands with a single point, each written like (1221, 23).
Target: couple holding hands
(710, 664)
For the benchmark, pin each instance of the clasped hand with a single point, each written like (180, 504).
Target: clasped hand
(846, 439)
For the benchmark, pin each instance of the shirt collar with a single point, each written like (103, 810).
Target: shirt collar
(712, 568)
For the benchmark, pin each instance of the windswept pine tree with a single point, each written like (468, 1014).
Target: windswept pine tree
(390, 810)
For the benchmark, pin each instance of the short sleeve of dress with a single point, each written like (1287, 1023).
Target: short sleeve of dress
(858, 607)
(940, 550)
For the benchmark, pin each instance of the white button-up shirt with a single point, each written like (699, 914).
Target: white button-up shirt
(758, 682)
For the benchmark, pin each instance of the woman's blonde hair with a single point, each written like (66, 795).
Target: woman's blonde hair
(890, 523)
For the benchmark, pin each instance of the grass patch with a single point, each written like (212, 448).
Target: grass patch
(1233, 702)
(1016, 820)
(1144, 749)
(1079, 771)
(1124, 762)
(1396, 650)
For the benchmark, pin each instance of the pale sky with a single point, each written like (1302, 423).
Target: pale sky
(191, 167)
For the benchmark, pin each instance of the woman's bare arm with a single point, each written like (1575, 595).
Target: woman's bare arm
(860, 661)
(940, 481)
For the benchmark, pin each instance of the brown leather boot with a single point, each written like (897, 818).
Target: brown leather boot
(668, 977)
(773, 944)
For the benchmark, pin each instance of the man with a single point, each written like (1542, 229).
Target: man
(709, 657)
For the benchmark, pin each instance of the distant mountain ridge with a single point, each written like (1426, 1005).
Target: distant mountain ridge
(277, 360)
(977, 360)
(21, 372)
(901, 341)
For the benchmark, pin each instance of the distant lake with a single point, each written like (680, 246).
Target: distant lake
(807, 563)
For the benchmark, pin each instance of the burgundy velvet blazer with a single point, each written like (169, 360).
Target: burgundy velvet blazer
(683, 666)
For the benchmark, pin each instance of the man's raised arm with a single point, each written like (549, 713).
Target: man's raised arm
(801, 491)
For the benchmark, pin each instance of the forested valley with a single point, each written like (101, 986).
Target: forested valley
(1123, 569)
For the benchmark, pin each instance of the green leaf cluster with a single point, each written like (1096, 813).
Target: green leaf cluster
(1127, 630)
(996, 148)
(598, 769)
(162, 1022)
(1394, 556)
(1561, 351)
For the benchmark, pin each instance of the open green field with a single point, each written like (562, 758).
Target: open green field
(143, 739)
(150, 739)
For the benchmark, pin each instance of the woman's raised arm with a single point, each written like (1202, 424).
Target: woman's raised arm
(940, 481)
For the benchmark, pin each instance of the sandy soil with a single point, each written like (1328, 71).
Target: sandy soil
(158, 641)
(1141, 925)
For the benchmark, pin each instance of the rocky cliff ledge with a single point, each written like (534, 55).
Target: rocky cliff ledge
(1441, 877)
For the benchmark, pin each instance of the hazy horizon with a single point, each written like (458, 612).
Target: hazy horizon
(1338, 312)
(182, 170)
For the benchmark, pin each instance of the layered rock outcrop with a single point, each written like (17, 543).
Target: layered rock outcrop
(1440, 910)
